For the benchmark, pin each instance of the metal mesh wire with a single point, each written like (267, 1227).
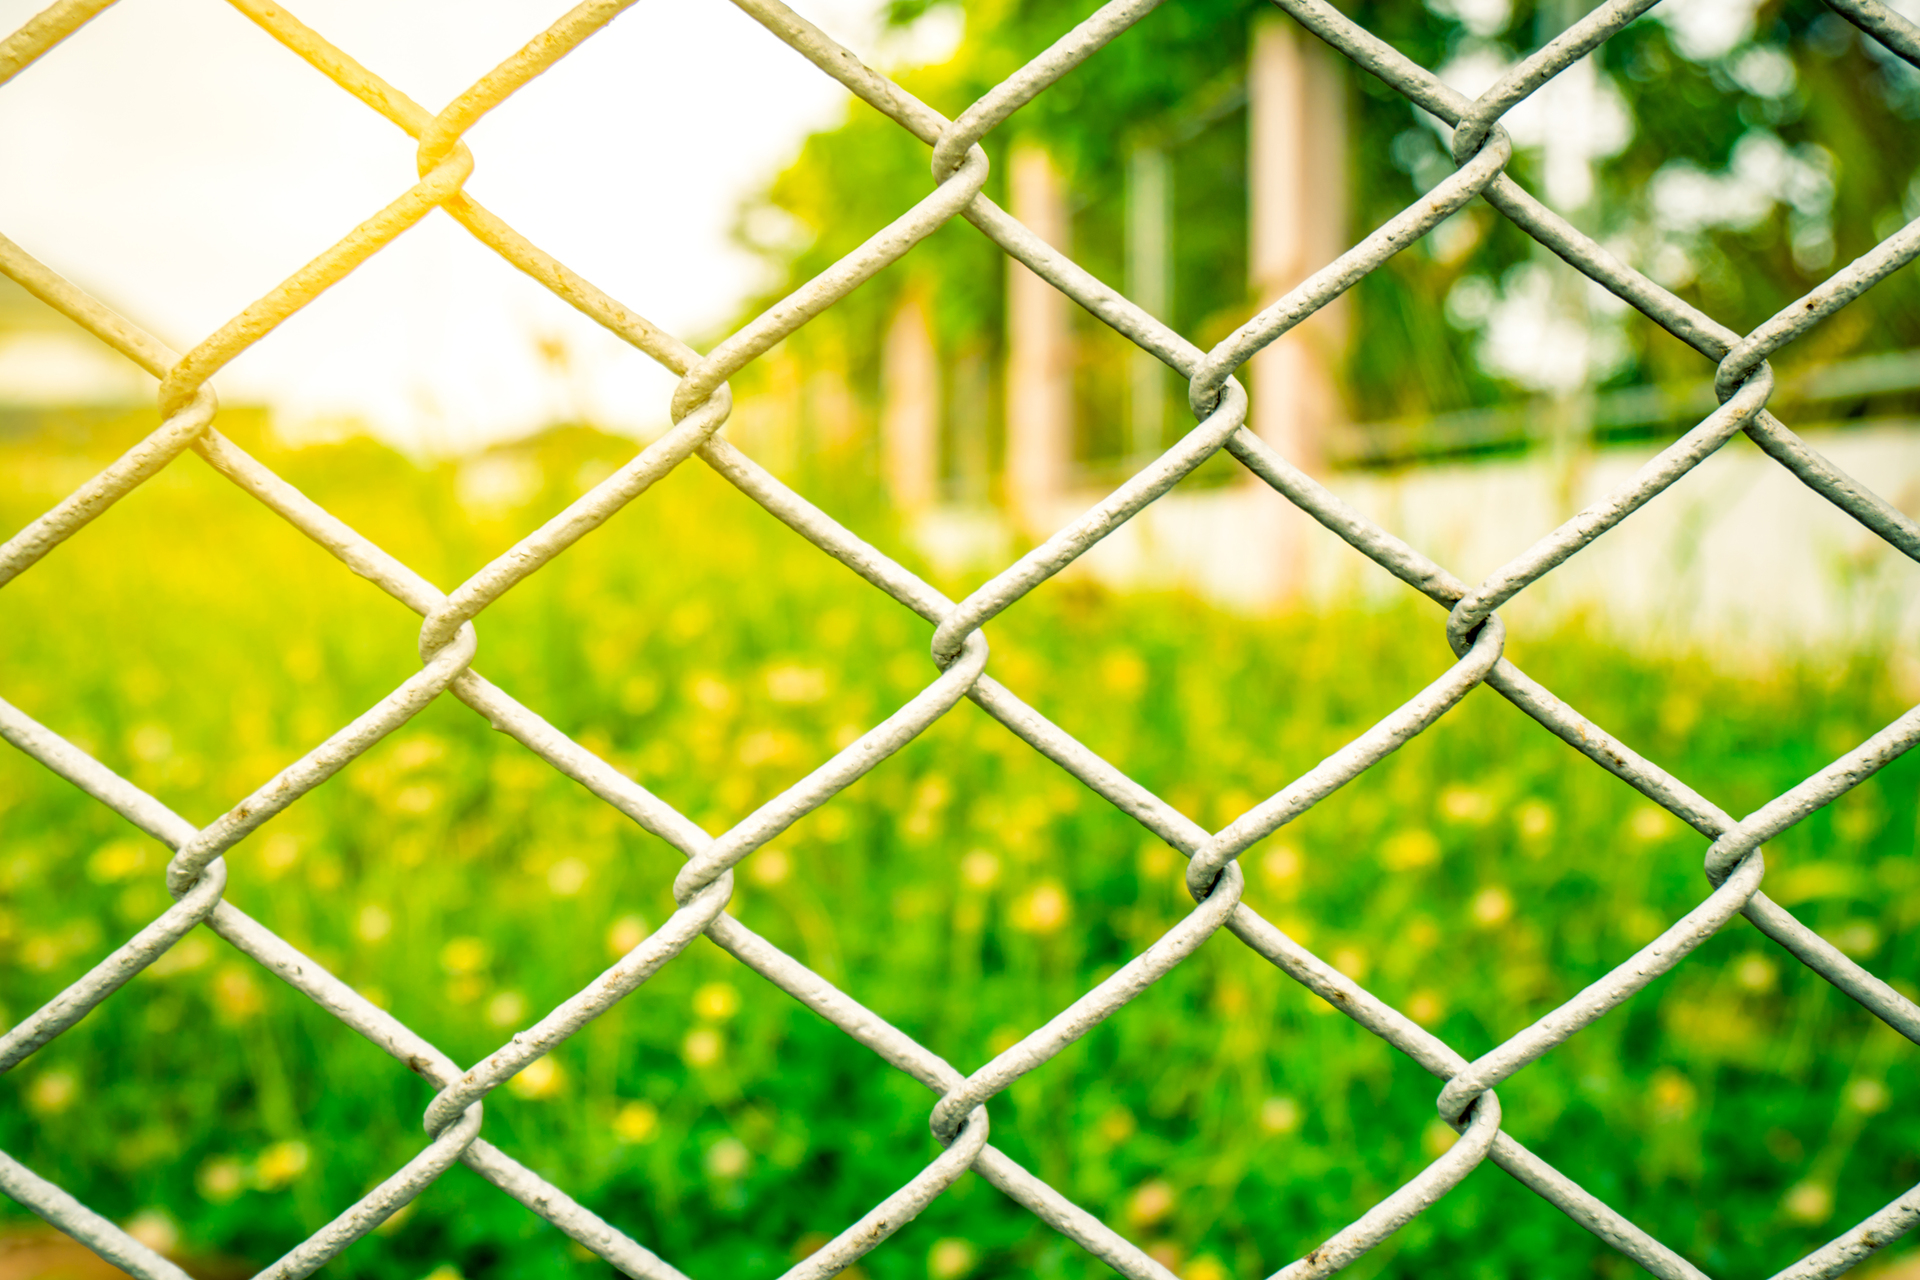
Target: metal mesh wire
(197, 874)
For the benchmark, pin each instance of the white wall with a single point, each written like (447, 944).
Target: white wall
(1737, 555)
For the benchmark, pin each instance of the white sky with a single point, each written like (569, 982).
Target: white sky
(175, 161)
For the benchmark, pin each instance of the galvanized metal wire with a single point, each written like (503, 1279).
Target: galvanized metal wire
(197, 875)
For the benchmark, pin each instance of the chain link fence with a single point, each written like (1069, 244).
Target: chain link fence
(197, 875)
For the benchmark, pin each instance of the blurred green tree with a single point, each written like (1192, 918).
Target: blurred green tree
(1737, 152)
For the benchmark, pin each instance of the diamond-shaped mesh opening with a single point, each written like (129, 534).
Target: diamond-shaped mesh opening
(166, 551)
(254, 1162)
(308, 162)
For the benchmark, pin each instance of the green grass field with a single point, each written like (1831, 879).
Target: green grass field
(967, 889)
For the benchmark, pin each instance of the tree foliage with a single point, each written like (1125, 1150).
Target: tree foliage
(1759, 147)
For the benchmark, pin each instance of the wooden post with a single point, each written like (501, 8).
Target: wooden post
(1297, 184)
(1039, 352)
(910, 407)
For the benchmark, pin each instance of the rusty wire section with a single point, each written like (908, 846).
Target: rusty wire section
(197, 874)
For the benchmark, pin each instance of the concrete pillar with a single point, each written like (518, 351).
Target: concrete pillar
(1297, 185)
(1150, 286)
(910, 407)
(1039, 352)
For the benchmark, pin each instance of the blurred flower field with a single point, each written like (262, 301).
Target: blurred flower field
(966, 890)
